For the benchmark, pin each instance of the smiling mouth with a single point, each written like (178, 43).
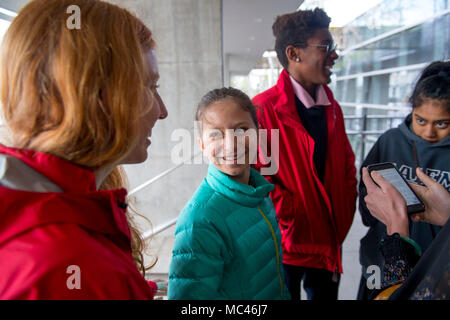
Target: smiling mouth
(329, 68)
(233, 158)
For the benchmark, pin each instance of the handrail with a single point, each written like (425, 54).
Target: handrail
(373, 117)
(161, 175)
(369, 132)
(150, 233)
(375, 106)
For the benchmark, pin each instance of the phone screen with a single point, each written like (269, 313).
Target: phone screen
(395, 179)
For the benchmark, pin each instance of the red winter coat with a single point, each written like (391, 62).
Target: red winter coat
(314, 217)
(50, 240)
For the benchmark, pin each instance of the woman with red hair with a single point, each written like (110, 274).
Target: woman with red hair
(77, 103)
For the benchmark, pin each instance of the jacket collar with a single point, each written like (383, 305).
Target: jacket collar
(285, 104)
(286, 109)
(78, 203)
(246, 195)
(68, 176)
(305, 97)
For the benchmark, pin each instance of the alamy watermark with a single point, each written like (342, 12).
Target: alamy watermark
(74, 20)
(74, 280)
(374, 280)
(230, 146)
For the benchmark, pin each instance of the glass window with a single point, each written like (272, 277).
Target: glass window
(390, 15)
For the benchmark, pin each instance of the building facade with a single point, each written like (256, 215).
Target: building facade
(385, 50)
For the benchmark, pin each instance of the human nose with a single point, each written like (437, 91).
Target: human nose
(430, 131)
(163, 113)
(333, 54)
(229, 143)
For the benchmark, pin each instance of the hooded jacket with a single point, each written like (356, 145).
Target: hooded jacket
(227, 243)
(60, 238)
(314, 217)
(402, 146)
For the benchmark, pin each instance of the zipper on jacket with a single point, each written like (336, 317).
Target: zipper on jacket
(335, 278)
(276, 249)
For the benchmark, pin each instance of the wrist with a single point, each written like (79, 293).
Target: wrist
(396, 247)
(401, 228)
(440, 221)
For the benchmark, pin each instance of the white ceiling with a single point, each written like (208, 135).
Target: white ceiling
(247, 30)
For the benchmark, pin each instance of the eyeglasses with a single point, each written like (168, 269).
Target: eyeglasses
(329, 48)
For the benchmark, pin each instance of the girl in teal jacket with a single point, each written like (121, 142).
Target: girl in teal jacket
(227, 239)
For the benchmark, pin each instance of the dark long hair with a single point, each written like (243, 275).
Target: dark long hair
(433, 83)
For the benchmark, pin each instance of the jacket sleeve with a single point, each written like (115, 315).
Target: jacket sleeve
(400, 258)
(197, 264)
(285, 202)
(350, 186)
(372, 157)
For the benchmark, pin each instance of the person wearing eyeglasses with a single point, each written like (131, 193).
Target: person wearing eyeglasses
(315, 185)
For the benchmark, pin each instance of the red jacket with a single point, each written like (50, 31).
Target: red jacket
(314, 217)
(50, 240)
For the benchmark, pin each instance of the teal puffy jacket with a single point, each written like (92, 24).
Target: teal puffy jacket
(228, 243)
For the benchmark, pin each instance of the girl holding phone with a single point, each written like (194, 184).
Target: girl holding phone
(421, 141)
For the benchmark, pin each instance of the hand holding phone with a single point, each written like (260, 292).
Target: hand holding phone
(385, 203)
(436, 199)
(390, 173)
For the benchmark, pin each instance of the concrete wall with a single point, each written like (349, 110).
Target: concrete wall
(188, 34)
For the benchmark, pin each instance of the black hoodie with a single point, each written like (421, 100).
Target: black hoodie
(404, 148)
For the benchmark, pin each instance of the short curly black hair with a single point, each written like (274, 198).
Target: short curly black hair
(433, 83)
(297, 27)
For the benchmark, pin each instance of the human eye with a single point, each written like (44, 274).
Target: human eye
(240, 131)
(325, 46)
(442, 124)
(332, 46)
(420, 121)
(214, 135)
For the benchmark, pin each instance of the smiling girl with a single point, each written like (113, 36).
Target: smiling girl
(227, 240)
(422, 140)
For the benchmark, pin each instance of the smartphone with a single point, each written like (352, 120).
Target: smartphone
(390, 173)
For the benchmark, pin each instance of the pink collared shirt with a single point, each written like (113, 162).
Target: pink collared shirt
(305, 97)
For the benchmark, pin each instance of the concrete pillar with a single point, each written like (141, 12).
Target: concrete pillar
(188, 34)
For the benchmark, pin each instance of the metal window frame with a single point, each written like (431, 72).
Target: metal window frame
(392, 32)
(383, 71)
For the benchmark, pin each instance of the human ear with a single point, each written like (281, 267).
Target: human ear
(293, 54)
(200, 143)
